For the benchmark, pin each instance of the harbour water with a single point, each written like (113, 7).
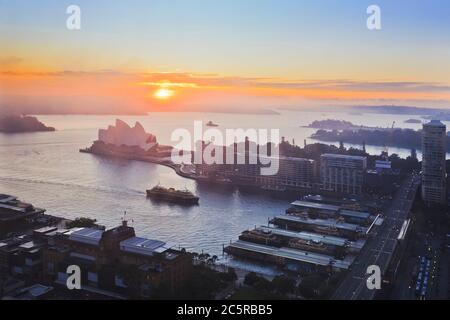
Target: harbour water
(47, 170)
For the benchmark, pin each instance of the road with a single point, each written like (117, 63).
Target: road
(381, 244)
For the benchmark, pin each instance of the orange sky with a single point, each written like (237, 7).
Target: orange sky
(182, 91)
(139, 56)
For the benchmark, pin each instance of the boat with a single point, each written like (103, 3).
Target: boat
(211, 124)
(173, 195)
(261, 237)
(307, 245)
(330, 230)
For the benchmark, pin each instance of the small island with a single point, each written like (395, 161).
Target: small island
(413, 121)
(332, 124)
(22, 123)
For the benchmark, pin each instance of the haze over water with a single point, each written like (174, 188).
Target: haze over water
(47, 170)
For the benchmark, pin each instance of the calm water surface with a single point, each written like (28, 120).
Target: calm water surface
(47, 170)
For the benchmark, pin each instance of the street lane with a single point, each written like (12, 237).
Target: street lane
(381, 245)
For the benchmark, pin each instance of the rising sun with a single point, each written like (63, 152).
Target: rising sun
(163, 93)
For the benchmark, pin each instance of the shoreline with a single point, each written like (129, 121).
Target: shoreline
(199, 179)
(155, 160)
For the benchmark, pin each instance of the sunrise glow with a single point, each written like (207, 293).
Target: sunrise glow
(307, 58)
(163, 94)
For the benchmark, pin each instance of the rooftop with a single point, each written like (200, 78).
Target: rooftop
(45, 230)
(34, 292)
(330, 200)
(435, 123)
(12, 209)
(330, 240)
(354, 214)
(285, 158)
(292, 254)
(144, 246)
(5, 198)
(342, 156)
(315, 205)
(7, 206)
(322, 222)
(85, 235)
(30, 245)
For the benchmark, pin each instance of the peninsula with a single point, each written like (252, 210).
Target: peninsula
(133, 143)
(20, 124)
(401, 138)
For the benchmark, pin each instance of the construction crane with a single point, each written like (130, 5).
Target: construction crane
(389, 140)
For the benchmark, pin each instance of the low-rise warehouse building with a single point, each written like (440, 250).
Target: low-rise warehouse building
(325, 211)
(304, 260)
(15, 214)
(325, 226)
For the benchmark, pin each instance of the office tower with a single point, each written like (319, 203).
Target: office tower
(433, 162)
(342, 174)
(292, 173)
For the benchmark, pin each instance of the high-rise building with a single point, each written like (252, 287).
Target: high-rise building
(296, 173)
(342, 173)
(433, 162)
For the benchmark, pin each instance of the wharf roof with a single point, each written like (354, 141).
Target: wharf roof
(322, 222)
(330, 240)
(355, 214)
(315, 205)
(292, 254)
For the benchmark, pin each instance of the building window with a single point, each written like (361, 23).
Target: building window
(92, 277)
(51, 267)
(119, 282)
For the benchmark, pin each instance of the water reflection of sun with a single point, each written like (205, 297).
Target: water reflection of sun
(163, 94)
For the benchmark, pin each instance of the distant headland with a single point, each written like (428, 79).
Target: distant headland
(400, 138)
(21, 123)
(331, 124)
(344, 131)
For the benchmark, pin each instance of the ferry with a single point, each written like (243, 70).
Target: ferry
(173, 195)
(211, 124)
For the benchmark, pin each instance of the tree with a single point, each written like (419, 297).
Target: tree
(283, 284)
(229, 276)
(203, 283)
(263, 284)
(251, 278)
(309, 285)
(81, 223)
(258, 282)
